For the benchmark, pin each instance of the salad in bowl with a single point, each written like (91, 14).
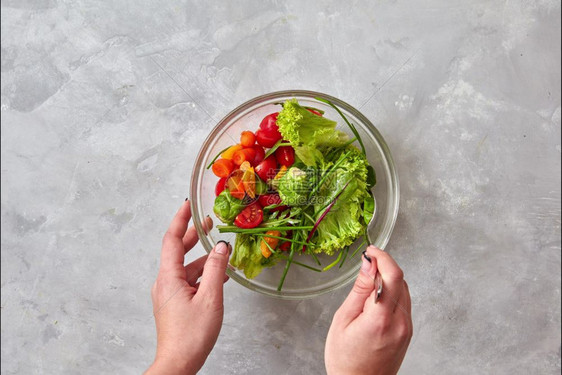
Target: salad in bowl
(294, 190)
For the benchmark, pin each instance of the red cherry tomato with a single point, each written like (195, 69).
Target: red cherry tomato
(285, 155)
(268, 133)
(221, 184)
(285, 246)
(267, 169)
(266, 139)
(269, 123)
(260, 153)
(250, 217)
(271, 199)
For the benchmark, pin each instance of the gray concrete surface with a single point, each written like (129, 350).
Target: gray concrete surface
(105, 103)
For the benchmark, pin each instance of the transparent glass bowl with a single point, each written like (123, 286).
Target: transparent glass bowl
(300, 282)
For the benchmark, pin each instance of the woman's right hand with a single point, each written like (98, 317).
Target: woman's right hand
(369, 338)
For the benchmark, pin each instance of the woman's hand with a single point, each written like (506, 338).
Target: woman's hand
(188, 313)
(369, 338)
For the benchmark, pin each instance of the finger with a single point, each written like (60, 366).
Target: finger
(191, 238)
(226, 278)
(214, 272)
(194, 270)
(172, 244)
(362, 289)
(392, 280)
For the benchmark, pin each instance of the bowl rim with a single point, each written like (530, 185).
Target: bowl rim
(387, 230)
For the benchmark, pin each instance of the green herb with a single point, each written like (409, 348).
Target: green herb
(301, 264)
(359, 247)
(216, 157)
(334, 262)
(235, 229)
(346, 250)
(273, 149)
(279, 238)
(287, 265)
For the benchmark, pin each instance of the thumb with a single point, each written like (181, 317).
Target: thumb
(213, 277)
(362, 289)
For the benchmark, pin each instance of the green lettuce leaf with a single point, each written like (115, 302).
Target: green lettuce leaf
(308, 132)
(345, 221)
(247, 256)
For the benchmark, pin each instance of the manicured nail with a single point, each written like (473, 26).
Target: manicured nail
(365, 265)
(222, 247)
(366, 256)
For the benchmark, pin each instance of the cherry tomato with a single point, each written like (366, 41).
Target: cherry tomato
(269, 199)
(266, 139)
(268, 133)
(250, 217)
(221, 184)
(260, 153)
(285, 246)
(269, 124)
(285, 155)
(267, 168)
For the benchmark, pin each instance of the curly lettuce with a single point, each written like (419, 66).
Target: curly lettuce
(307, 132)
(247, 256)
(345, 221)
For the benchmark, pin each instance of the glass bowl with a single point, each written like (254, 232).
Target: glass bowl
(300, 282)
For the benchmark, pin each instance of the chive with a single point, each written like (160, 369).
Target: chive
(309, 218)
(346, 249)
(235, 229)
(315, 258)
(302, 264)
(216, 157)
(273, 206)
(279, 238)
(287, 265)
(359, 247)
(351, 126)
(334, 262)
(274, 148)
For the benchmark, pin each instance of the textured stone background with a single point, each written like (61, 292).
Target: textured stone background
(105, 103)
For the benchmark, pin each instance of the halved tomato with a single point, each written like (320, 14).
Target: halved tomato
(250, 217)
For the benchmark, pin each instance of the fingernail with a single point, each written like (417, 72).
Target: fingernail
(365, 265)
(186, 199)
(366, 256)
(222, 247)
